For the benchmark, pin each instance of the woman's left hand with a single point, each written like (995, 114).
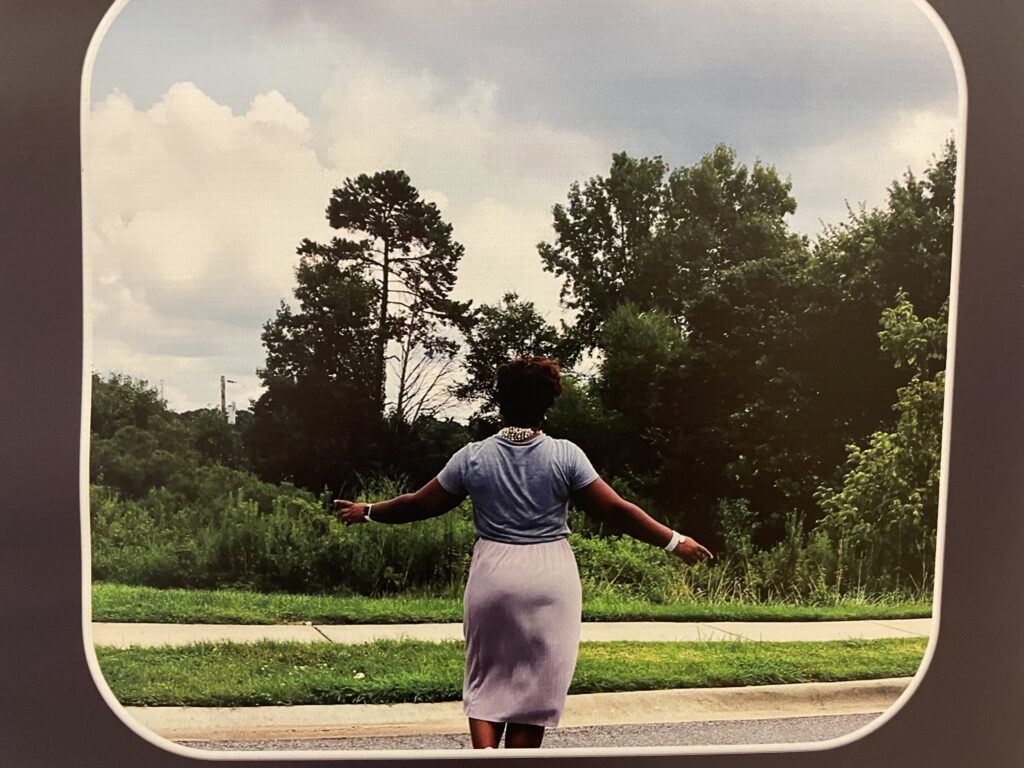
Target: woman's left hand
(349, 512)
(692, 551)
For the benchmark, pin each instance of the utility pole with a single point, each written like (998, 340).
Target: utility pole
(223, 399)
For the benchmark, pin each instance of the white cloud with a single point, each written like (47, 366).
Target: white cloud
(449, 137)
(495, 178)
(859, 167)
(194, 213)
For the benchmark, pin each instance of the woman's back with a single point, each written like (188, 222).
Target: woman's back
(520, 491)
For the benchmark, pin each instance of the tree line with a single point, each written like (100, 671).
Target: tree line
(744, 375)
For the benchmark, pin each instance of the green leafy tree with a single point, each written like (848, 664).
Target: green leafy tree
(642, 352)
(792, 339)
(120, 401)
(580, 416)
(639, 348)
(415, 457)
(883, 514)
(663, 240)
(136, 442)
(317, 422)
(216, 441)
(509, 329)
(777, 367)
(683, 280)
(666, 436)
(603, 238)
(740, 379)
(907, 245)
(844, 381)
(721, 216)
(403, 245)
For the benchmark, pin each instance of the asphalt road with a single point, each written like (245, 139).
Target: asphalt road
(716, 732)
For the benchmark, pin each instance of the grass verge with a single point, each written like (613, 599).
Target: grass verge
(268, 673)
(119, 603)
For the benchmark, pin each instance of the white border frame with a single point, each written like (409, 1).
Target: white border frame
(554, 752)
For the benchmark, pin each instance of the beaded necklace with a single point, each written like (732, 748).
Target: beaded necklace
(518, 434)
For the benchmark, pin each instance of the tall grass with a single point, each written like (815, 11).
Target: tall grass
(290, 543)
(232, 531)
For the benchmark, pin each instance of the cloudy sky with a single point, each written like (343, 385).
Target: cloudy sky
(216, 130)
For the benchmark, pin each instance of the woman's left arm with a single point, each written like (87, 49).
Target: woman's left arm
(601, 502)
(432, 500)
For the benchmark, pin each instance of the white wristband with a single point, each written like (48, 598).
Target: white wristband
(366, 513)
(675, 541)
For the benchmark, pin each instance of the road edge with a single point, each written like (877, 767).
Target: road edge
(628, 708)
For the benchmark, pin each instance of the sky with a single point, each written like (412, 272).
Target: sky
(216, 130)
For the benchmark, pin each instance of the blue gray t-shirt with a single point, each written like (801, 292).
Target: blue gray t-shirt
(520, 491)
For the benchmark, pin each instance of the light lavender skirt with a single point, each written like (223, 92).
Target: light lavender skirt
(523, 604)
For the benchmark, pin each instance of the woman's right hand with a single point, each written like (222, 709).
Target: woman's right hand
(692, 551)
(349, 512)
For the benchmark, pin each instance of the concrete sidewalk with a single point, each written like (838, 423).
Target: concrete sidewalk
(593, 709)
(138, 635)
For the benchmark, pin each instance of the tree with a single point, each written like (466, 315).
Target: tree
(907, 245)
(638, 348)
(579, 415)
(423, 376)
(743, 397)
(317, 422)
(641, 350)
(603, 236)
(136, 442)
(509, 329)
(666, 417)
(216, 441)
(797, 330)
(844, 380)
(776, 366)
(121, 401)
(663, 242)
(883, 514)
(415, 458)
(682, 279)
(408, 252)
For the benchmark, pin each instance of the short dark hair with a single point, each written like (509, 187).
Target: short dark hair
(526, 388)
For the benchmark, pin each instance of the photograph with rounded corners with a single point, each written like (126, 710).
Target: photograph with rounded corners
(466, 376)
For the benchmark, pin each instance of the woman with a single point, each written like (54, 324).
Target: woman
(523, 597)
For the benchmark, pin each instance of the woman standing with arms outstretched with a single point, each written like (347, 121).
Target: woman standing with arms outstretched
(523, 597)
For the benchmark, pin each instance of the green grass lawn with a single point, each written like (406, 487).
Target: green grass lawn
(269, 673)
(114, 602)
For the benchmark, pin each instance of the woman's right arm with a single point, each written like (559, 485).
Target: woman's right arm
(432, 500)
(601, 502)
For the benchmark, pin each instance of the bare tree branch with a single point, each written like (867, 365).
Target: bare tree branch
(430, 398)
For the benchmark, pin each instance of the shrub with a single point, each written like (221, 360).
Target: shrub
(226, 529)
(244, 537)
(624, 566)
